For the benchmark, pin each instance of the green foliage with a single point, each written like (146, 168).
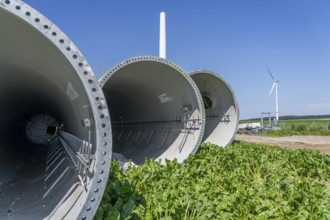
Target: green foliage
(119, 199)
(242, 181)
(301, 127)
(207, 102)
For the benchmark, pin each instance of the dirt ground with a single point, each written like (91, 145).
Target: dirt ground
(321, 143)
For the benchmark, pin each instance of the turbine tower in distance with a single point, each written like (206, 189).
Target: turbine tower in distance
(275, 84)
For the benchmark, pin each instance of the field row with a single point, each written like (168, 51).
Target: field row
(242, 181)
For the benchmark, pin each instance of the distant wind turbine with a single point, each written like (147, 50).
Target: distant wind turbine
(275, 84)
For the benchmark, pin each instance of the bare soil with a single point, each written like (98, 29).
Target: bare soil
(321, 143)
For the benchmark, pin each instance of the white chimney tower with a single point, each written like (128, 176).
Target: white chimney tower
(162, 36)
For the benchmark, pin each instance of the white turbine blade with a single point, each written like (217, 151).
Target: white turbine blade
(270, 73)
(271, 90)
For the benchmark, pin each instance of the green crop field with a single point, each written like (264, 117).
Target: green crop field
(290, 127)
(241, 181)
(301, 127)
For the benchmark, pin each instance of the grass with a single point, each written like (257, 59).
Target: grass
(301, 127)
(241, 181)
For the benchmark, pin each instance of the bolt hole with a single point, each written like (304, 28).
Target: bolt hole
(103, 125)
(7, 2)
(80, 64)
(100, 107)
(90, 81)
(93, 90)
(37, 20)
(97, 98)
(54, 34)
(102, 116)
(61, 41)
(27, 13)
(46, 26)
(74, 56)
(85, 72)
(18, 7)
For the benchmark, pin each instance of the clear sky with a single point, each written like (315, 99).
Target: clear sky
(235, 38)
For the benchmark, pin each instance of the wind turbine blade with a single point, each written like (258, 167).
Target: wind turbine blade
(271, 90)
(270, 73)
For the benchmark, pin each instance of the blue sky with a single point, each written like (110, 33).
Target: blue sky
(235, 38)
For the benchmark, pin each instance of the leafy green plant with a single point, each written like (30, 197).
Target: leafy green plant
(119, 199)
(241, 181)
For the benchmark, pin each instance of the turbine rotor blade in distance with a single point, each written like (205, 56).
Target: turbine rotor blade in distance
(271, 90)
(270, 73)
